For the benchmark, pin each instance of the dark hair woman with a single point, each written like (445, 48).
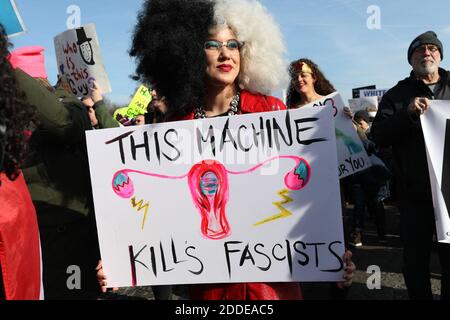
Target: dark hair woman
(209, 59)
(19, 236)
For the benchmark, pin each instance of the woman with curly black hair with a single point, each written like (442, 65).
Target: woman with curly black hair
(57, 176)
(15, 116)
(19, 236)
(167, 45)
(171, 50)
(307, 84)
(209, 59)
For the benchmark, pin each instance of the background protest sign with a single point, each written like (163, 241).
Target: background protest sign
(140, 101)
(80, 61)
(138, 104)
(379, 93)
(356, 91)
(10, 18)
(263, 206)
(352, 157)
(370, 104)
(436, 131)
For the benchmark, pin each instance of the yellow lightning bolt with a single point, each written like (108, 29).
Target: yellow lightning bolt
(284, 213)
(140, 207)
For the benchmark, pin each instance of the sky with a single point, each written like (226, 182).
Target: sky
(355, 42)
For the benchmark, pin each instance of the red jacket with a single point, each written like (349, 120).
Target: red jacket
(19, 241)
(249, 103)
(252, 103)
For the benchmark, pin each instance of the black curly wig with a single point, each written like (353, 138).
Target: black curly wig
(15, 115)
(168, 47)
(322, 86)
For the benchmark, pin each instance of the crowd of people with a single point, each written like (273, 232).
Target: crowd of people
(202, 59)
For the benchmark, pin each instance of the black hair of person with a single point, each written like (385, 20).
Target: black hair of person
(15, 115)
(168, 48)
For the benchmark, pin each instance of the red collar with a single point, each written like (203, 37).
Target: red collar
(251, 103)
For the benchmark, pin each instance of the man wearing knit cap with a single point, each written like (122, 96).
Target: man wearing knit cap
(397, 124)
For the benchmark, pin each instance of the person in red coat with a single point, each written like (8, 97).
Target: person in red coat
(20, 262)
(211, 59)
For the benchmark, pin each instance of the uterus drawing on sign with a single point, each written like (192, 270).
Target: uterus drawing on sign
(208, 183)
(209, 188)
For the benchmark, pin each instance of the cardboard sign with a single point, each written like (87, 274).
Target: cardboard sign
(372, 93)
(370, 104)
(140, 101)
(248, 198)
(138, 104)
(352, 157)
(10, 18)
(436, 131)
(356, 91)
(80, 61)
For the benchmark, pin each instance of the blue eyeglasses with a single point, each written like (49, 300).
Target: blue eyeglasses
(217, 45)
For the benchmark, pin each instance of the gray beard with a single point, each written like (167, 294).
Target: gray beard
(426, 70)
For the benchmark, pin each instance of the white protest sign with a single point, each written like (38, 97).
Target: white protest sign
(370, 104)
(379, 93)
(248, 198)
(352, 157)
(436, 131)
(80, 61)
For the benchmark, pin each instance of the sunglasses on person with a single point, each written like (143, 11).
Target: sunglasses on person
(217, 45)
(423, 48)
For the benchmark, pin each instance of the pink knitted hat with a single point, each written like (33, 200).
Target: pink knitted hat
(30, 60)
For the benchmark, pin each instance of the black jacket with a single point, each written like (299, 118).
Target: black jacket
(393, 126)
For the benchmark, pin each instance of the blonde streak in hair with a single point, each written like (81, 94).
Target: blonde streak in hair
(268, 67)
(263, 65)
(243, 78)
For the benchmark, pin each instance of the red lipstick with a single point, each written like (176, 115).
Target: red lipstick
(225, 67)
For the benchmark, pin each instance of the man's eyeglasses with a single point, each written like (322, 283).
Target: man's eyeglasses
(423, 48)
(231, 45)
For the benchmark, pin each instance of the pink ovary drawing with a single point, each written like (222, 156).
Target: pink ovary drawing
(209, 188)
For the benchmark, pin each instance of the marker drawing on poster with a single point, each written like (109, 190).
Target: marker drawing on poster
(251, 198)
(80, 61)
(137, 106)
(352, 157)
